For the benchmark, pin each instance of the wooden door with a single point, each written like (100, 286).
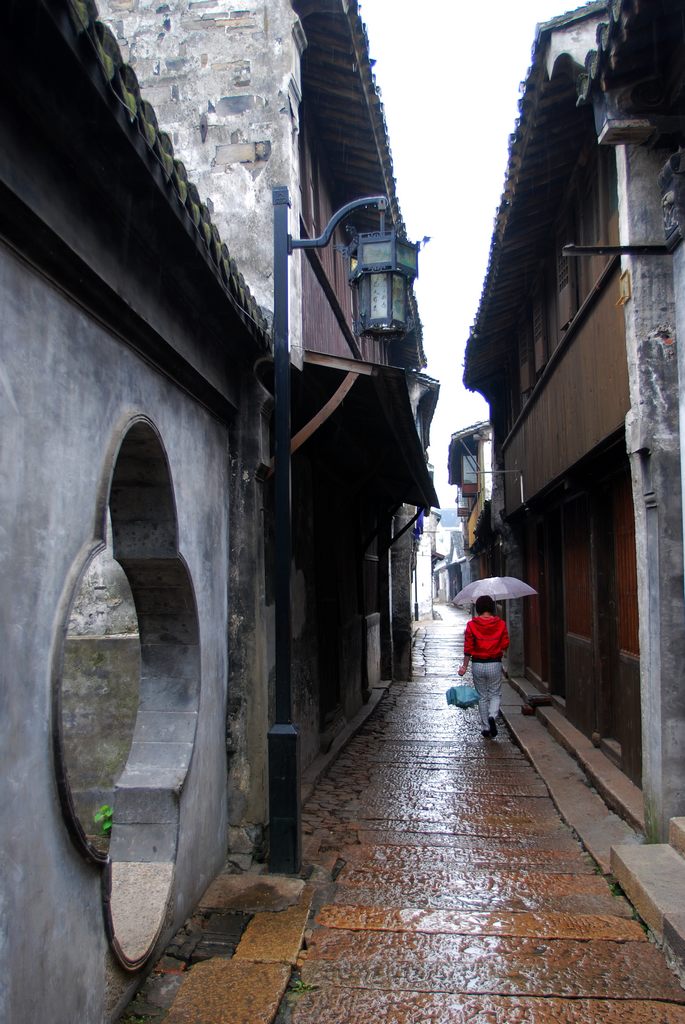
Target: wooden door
(626, 711)
(619, 714)
(535, 625)
(556, 612)
(579, 640)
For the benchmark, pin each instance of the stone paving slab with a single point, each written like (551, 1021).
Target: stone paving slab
(276, 937)
(447, 769)
(511, 809)
(676, 835)
(345, 1006)
(513, 781)
(229, 992)
(652, 876)
(552, 925)
(613, 785)
(334, 835)
(421, 749)
(517, 891)
(435, 834)
(251, 893)
(486, 826)
(461, 856)
(484, 964)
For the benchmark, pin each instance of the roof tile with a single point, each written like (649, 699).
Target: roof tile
(123, 81)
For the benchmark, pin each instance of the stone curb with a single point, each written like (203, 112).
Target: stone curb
(321, 763)
(583, 809)
(618, 792)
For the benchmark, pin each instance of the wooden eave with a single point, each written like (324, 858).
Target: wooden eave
(340, 92)
(543, 154)
(369, 440)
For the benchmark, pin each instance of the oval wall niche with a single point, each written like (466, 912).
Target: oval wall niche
(126, 698)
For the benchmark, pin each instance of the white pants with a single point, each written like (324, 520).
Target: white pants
(487, 679)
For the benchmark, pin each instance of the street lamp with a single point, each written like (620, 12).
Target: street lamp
(382, 267)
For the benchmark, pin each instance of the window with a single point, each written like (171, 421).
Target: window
(526, 368)
(469, 469)
(539, 333)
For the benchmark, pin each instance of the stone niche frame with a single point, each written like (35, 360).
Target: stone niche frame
(138, 871)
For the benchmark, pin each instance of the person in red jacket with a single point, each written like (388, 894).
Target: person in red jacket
(485, 641)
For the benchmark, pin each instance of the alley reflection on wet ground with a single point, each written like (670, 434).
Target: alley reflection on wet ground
(459, 894)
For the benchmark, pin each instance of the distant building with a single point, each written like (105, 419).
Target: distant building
(450, 564)
(470, 470)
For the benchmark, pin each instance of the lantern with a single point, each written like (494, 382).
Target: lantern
(382, 268)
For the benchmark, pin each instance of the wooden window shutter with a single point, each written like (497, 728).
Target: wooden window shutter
(564, 290)
(526, 371)
(539, 333)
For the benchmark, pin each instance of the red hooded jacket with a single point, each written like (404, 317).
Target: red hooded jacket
(486, 638)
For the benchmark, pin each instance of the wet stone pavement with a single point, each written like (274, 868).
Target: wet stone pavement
(447, 889)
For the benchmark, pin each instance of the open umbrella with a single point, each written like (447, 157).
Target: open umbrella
(500, 588)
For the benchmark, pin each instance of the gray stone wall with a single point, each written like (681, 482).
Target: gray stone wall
(224, 80)
(69, 391)
(652, 436)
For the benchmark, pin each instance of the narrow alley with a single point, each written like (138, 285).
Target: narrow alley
(440, 886)
(459, 894)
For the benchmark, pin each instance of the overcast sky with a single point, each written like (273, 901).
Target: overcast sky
(449, 75)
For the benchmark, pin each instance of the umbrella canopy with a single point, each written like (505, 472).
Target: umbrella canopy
(500, 588)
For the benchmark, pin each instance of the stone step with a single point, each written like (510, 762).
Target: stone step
(585, 811)
(676, 835)
(615, 788)
(653, 878)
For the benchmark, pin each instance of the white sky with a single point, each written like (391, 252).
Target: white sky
(449, 75)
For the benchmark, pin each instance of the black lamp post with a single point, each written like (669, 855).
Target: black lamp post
(381, 267)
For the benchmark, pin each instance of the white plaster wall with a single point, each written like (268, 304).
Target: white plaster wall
(424, 577)
(574, 41)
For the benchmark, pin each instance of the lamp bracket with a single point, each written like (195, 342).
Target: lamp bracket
(380, 202)
(636, 249)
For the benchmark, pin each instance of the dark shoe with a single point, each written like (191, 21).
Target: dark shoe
(493, 727)
(487, 733)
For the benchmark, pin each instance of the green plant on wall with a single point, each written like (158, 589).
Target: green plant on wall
(103, 818)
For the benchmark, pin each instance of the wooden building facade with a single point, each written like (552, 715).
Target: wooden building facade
(366, 459)
(548, 351)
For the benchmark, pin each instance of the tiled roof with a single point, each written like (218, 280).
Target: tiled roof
(337, 72)
(377, 112)
(621, 16)
(628, 42)
(122, 80)
(541, 151)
